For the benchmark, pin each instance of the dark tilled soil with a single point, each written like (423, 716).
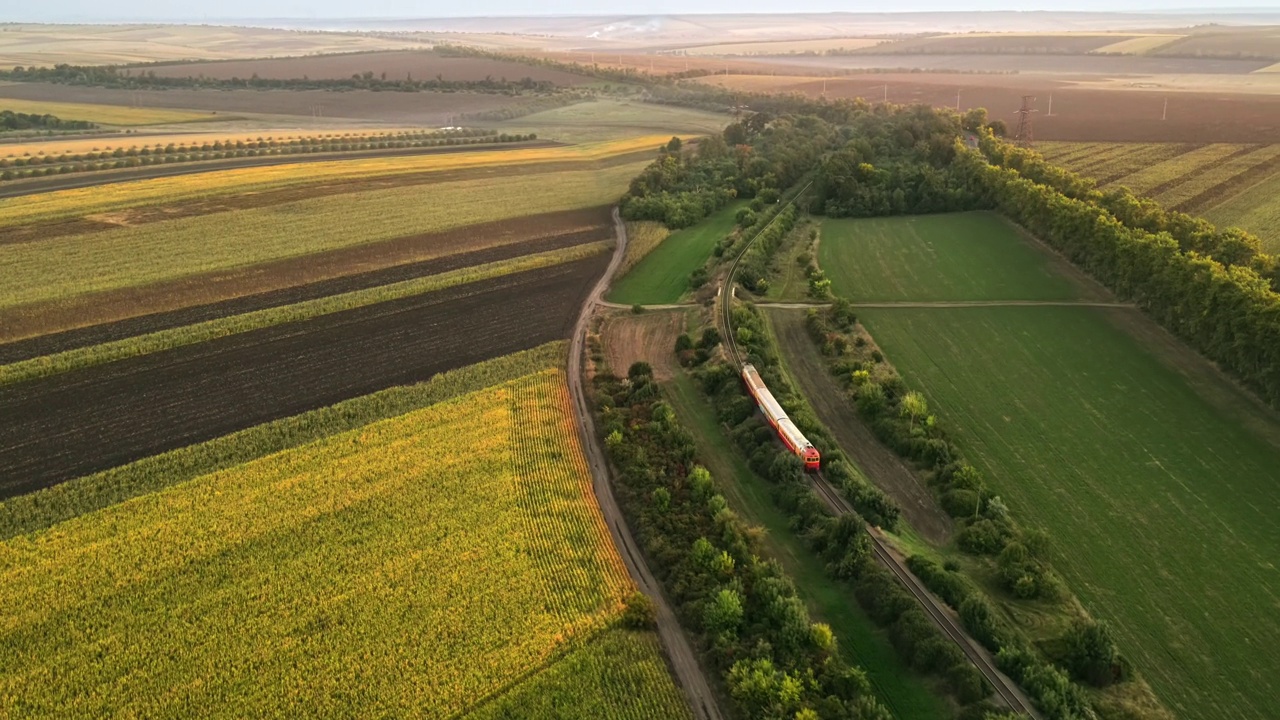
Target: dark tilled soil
(107, 332)
(64, 426)
(61, 315)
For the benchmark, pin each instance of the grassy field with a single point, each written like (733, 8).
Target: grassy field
(901, 690)
(662, 276)
(1229, 184)
(246, 322)
(1162, 509)
(154, 252)
(106, 114)
(204, 594)
(67, 204)
(611, 119)
(951, 257)
(642, 237)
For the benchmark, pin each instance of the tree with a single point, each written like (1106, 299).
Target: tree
(913, 406)
(674, 145)
(639, 613)
(1092, 655)
(723, 614)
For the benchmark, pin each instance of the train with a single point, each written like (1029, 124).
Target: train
(787, 431)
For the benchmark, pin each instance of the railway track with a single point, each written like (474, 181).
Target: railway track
(1007, 691)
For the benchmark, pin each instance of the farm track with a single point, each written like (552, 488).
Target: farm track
(68, 425)
(680, 652)
(1004, 687)
(27, 321)
(36, 186)
(141, 325)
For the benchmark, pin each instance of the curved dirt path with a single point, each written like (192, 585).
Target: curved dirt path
(683, 660)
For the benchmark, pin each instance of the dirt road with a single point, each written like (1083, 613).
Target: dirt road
(683, 660)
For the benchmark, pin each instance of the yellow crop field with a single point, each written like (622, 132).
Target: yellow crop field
(62, 267)
(410, 567)
(642, 237)
(106, 114)
(1137, 45)
(109, 198)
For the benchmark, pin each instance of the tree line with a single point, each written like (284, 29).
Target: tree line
(10, 120)
(840, 541)
(124, 77)
(120, 158)
(902, 420)
(1226, 312)
(772, 660)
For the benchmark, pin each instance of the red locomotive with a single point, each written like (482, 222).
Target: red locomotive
(791, 436)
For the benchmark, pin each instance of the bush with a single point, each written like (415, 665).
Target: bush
(639, 613)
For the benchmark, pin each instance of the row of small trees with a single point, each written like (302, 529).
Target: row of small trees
(47, 165)
(773, 660)
(10, 120)
(115, 76)
(840, 541)
(1227, 312)
(901, 419)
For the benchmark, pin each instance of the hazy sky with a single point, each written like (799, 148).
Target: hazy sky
(65, 10)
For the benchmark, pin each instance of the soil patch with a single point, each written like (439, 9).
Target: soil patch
(107, 332)
(1079, 114)
(649, 337)
(880, 464)
(83, 311)
(68, 425)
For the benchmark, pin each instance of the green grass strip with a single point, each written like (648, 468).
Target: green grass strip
(222, 327)
(45, 508)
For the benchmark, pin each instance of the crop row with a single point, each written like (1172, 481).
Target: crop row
(1203, 180)
(49, 165)
(246, 322)
(81, 202)
(160, 251)
(439, 582)
(1149, 177)
(40, 510)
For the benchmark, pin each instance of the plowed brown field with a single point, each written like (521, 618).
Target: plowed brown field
(131, 302)
(1078, 114)
(68, 425)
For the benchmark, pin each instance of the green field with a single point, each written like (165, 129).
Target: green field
(901, 690)
(154, 252)
(1162, 506)
(1232, 185)
(608, 119)
(951, 257)
(452, 573)
(662, 276)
